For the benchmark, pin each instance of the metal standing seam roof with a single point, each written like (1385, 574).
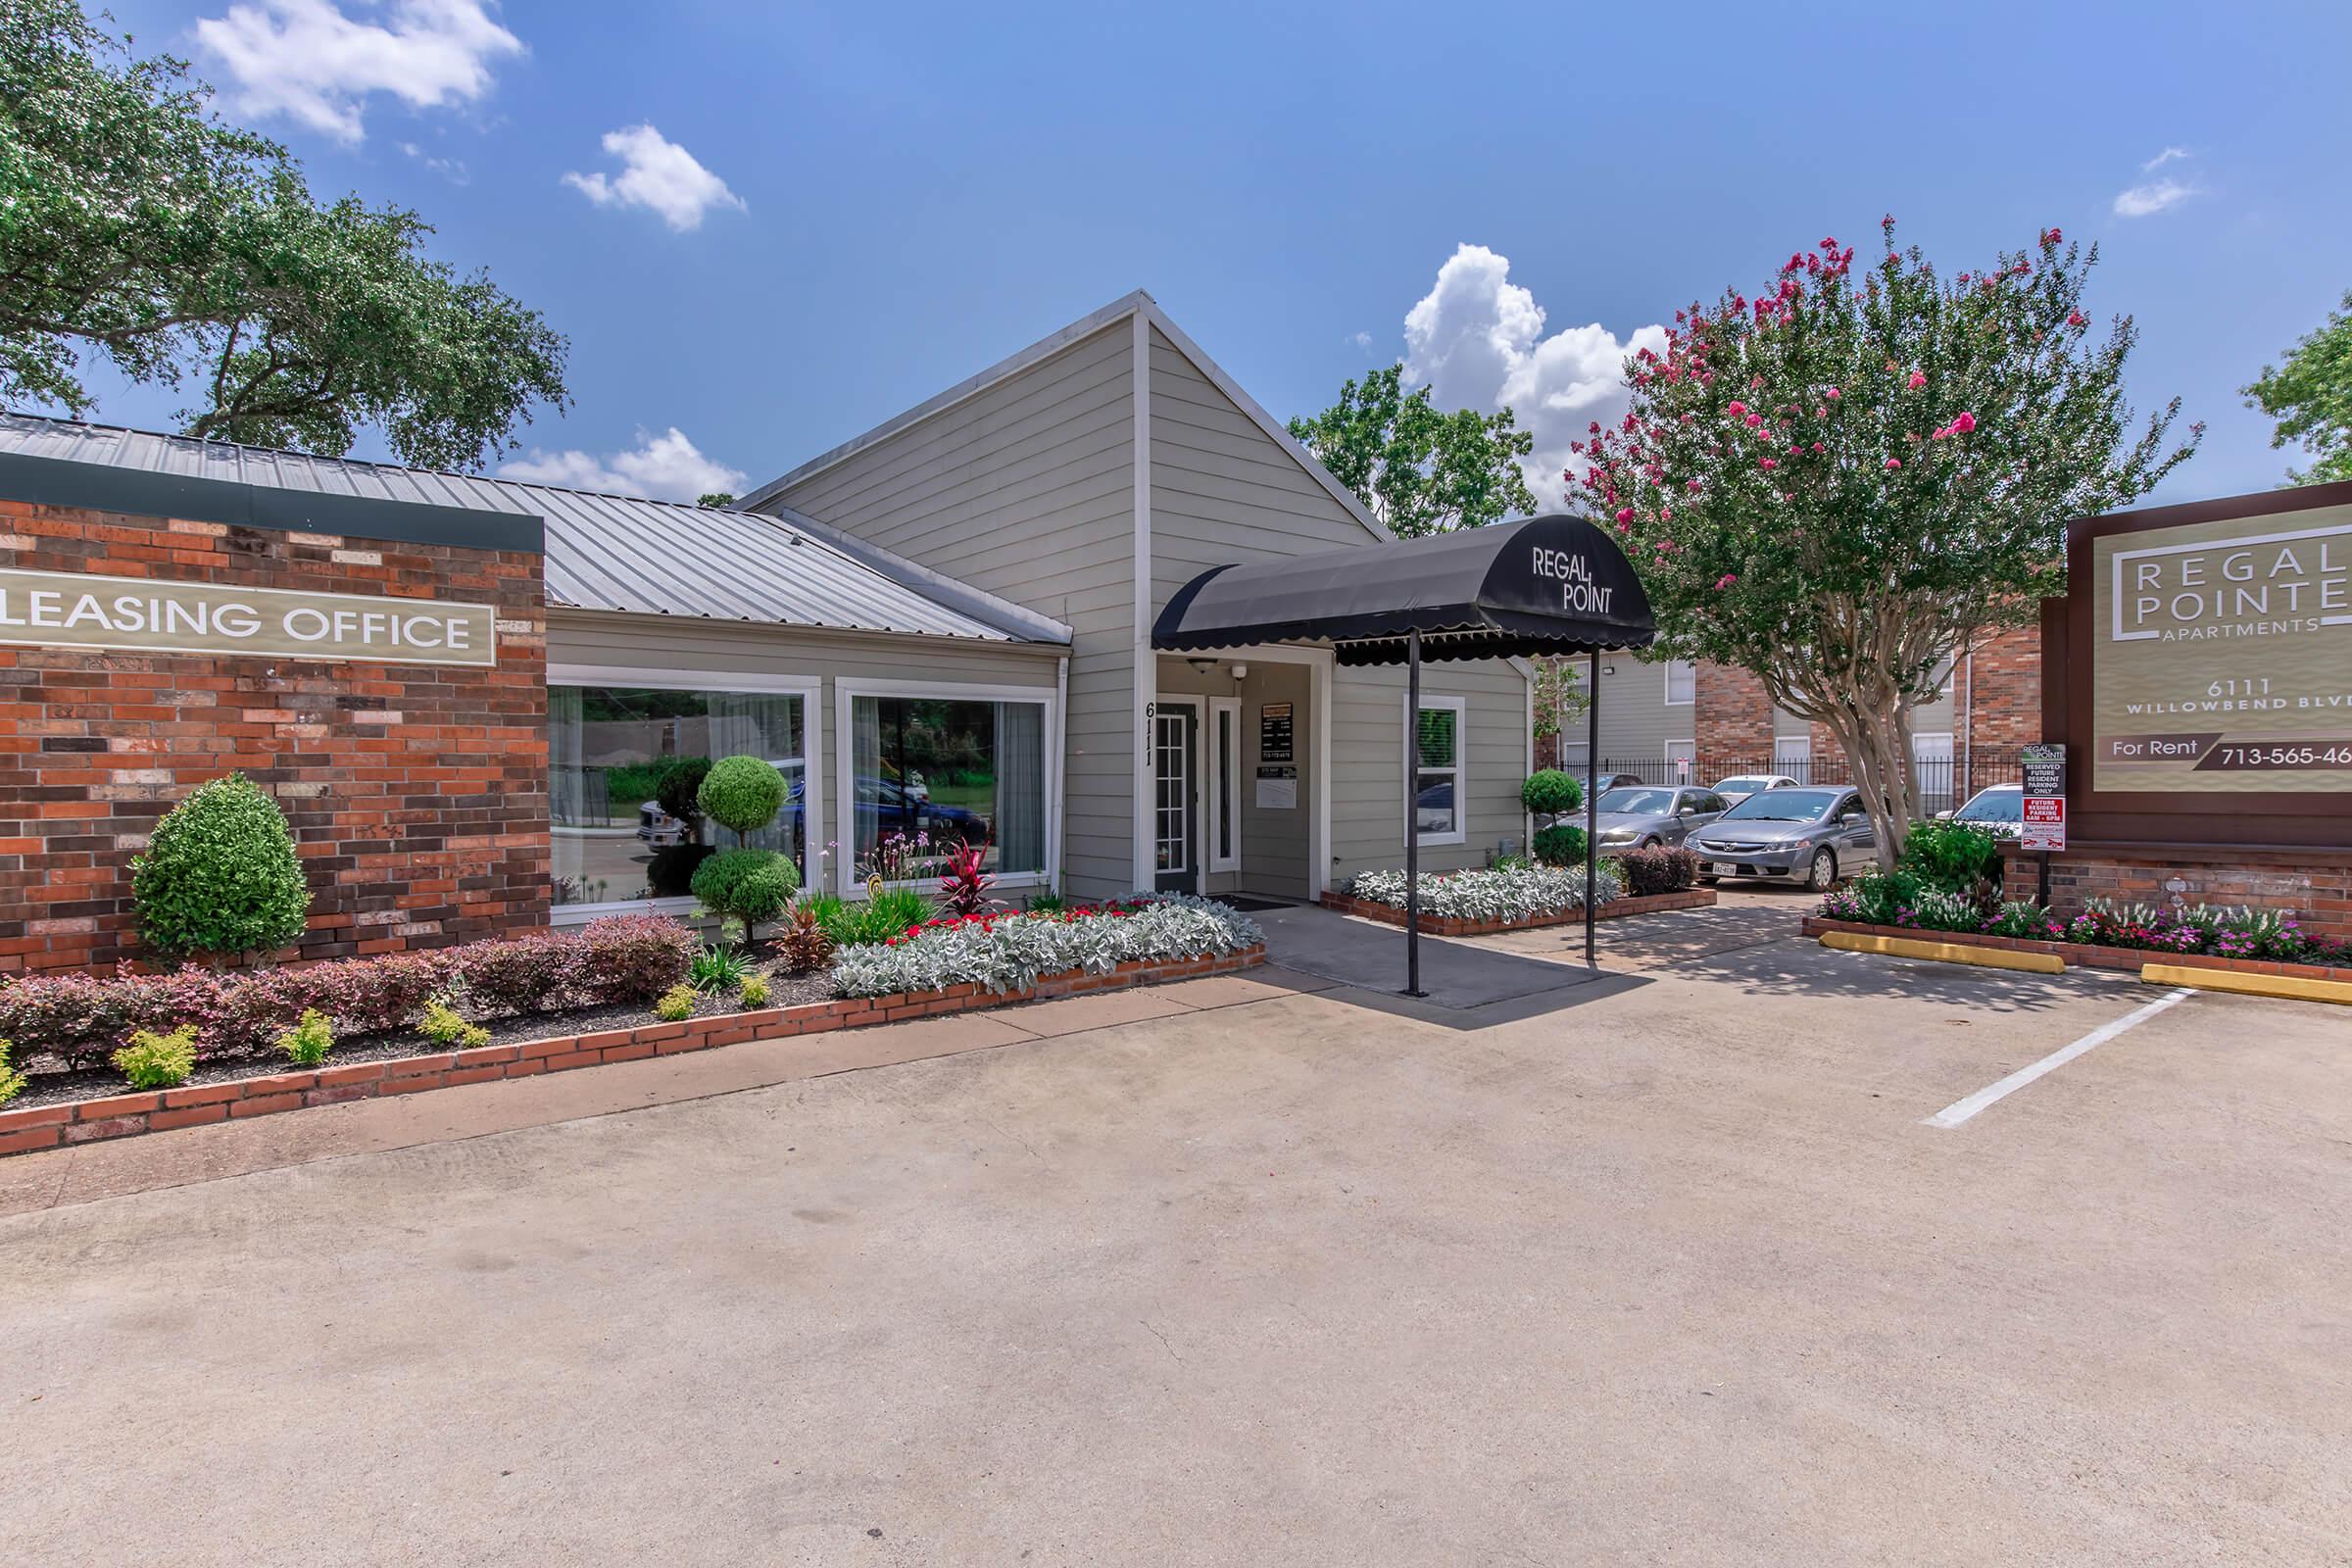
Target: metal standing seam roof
(603, 552)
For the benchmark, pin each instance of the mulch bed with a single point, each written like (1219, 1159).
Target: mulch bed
(56, 1085)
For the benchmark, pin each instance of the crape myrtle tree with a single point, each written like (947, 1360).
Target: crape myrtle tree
(1840, 484)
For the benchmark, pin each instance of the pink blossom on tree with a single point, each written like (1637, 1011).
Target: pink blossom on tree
(1874, 560)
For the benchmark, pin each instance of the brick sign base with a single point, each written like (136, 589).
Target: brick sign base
(127, 1116)
(1440, 926)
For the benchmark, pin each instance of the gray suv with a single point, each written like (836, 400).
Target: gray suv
(1810, 836)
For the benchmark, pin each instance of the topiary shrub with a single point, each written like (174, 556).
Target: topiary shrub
(1550, 793)
(742, 793)
(1561, 844)
(219, 877)
(747, 885)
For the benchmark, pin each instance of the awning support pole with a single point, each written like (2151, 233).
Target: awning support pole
(1591, 807)
(1412, 814)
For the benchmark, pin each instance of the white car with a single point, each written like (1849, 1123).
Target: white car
(1736, 790)
(1999, 810)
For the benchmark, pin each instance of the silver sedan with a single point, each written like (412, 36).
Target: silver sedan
(1642, 816)
(1811, 836)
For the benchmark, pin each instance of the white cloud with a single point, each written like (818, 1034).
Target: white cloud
(2153, 196)
(2144, 201)
(659, 175)
(1477, 339)
(1362, 340)
(453, 170)
(308, 60)
(665, 467)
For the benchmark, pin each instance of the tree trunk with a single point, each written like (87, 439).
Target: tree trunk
(1878, 747)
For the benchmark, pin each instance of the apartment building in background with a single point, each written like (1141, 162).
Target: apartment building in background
(1668, 721)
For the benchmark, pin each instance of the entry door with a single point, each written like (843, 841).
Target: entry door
(1682, 758)
(1176, 798)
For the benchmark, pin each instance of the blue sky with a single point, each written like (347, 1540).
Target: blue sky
(872, 203)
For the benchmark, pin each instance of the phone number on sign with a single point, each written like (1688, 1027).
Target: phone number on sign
(2326, 754)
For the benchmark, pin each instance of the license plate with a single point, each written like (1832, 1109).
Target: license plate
(1723, 869)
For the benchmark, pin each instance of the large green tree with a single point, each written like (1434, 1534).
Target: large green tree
(136, 226)
(2310, 395)
(1417, 469)
(1841, 484)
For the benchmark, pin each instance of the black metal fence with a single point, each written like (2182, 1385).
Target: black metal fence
(1945, 782)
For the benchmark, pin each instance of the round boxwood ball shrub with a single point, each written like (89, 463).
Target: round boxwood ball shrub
(743, 793)
(220, 876)
(1550, 793)
(1561, 844)
(747, 885)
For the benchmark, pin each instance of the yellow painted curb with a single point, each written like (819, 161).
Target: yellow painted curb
(2293, 987)
(1945, 952)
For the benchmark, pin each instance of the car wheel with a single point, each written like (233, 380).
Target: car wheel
(1824, 874)
(1651, 843)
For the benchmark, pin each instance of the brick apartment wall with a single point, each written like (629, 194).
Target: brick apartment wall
(2006, 711)
(1733, 715)
(2313, 887)
(417, 794)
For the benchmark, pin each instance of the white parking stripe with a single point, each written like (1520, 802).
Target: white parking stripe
(1953, 1114)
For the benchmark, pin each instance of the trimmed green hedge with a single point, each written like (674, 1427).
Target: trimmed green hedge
(219, 877)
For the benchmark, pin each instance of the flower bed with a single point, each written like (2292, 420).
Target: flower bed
(129, 1115)
(1440, 926)
(941, 966)
(2086, 956)
(1480, 903)
(2243, 935)
(81, 1019)
(1508, 895)
(1013, 950)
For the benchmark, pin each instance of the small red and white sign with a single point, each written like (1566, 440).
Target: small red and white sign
(2045, 823)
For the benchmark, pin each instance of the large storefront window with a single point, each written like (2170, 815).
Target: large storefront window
(928, 773)
(617, 752)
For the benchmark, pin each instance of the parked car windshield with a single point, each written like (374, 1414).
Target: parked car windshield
(1743, 786)
(1995, 806)
(1638, 803)
(1783, 806)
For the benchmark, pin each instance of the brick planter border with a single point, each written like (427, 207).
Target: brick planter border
(86, 1121)
(2083, 954)
(1440, 926)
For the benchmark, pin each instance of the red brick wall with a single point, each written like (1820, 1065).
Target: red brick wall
(2007, 673)
(1733, 716)
(417, 794)
(2314, 888)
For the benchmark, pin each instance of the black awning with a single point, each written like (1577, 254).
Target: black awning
(1550, 584)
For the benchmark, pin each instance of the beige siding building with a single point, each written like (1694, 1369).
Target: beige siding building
(1088, 478)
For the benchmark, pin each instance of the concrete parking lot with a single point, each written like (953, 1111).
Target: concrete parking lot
(1666, 1268)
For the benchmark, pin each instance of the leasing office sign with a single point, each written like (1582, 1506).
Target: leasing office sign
(130, 615)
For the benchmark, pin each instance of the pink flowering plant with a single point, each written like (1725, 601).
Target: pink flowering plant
(1841, 483)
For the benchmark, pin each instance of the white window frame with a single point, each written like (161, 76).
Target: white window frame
(810, 688)
(846, 692)
(1227, 769)
(1459, 707)
(1691, 664)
